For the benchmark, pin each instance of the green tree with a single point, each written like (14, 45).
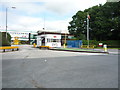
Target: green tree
(104, 22)
(3, 40)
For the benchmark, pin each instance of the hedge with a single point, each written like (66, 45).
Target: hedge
(109, 43)
(3, 40)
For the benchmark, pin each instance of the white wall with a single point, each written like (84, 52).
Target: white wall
(50, 37)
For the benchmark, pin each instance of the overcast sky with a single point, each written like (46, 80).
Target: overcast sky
(34, 15)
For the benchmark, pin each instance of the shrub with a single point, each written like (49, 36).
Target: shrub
(109, 43)
(91, 42)
(3, 40)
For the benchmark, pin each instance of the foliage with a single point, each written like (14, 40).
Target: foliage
(110, 43)
(91, 42)
(3, 40)
(104, 22)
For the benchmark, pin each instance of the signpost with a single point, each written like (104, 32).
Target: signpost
(88, 31)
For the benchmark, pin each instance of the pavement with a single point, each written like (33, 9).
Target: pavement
(35, 68)
(110, 51)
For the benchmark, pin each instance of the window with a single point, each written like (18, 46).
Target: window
(47, 40)
(53, 40)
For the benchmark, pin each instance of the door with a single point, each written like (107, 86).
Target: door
(43, 41)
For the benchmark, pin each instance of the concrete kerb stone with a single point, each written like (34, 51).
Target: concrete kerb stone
(80, 51)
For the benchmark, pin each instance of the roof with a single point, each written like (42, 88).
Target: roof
(40, 33)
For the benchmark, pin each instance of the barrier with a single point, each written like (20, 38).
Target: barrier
(9, 47)
(86, 46)
(46, 47)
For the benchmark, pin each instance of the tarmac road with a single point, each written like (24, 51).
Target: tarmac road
(34, 68)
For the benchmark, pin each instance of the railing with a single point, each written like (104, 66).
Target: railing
(45, 47)
(86, 46)
(9, 47)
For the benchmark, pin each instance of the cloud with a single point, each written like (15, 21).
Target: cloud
(59, 6)
(27, 23)
(29, 13)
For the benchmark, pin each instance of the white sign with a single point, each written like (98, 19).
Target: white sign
(100, 44)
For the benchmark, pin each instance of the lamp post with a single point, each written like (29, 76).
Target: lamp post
(7, 18)
(6, 22)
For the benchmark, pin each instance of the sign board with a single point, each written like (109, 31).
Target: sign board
(100, 44)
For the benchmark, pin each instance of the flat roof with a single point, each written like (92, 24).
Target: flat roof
(40, 33)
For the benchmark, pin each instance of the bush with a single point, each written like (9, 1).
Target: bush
(112, 43)
(91, 42)
(3, 40)
(109, 43)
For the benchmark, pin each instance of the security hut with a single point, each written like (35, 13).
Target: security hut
(48, 39)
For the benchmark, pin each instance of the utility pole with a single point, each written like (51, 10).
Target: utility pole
(7, 18)
(6, 21)
(44, 22)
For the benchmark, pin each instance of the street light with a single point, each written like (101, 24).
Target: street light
(7, 17)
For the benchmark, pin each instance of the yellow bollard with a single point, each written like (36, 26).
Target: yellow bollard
(87, 46)
(64, 46)
(105, 48)
(34, 45)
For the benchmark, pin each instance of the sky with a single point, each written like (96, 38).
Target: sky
(34, 15)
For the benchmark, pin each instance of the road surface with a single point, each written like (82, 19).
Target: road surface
(34, 68)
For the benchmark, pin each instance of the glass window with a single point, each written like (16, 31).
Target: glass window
(47, 40)
(54, 40)
(51, 40)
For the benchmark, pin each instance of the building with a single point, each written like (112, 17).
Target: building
(23, 37)
(52, 39)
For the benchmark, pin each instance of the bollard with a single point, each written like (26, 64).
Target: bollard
(87, 46)
(34, 45)
(105, 48)
(3, 50)
(64, 46)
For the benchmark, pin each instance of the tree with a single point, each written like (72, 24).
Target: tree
(104, 22)
(3, 40)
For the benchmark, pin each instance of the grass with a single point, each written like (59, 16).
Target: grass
(107, 48)
(76, 49)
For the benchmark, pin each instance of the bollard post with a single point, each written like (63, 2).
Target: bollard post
(34, 45)
(105, 48)
(17, 49)
(64, 46)
(3, 50)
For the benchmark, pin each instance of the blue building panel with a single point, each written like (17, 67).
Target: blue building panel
(74, 43)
